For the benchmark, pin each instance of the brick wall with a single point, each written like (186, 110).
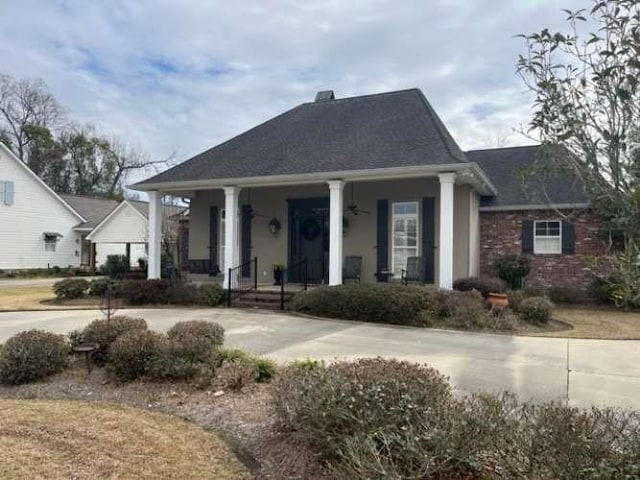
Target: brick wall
(500, 235)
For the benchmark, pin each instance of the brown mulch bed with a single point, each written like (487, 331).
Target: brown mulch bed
(245, 419)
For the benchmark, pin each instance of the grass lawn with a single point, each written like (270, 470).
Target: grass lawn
(38, 298)
(63, 439)
(596, 322)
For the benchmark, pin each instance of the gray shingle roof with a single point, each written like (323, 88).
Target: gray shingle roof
(385, 130)
(91, 208)
(507, 169)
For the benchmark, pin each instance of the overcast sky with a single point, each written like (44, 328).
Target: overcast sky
(182, 76)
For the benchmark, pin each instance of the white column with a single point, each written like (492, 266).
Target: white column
(155, 235)
(336, 188)
(231, 254)
(447, 181)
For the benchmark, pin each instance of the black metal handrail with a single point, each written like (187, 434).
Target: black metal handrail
(303, 268)
(238, 283)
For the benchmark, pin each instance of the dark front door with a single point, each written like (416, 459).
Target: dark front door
(309, 238)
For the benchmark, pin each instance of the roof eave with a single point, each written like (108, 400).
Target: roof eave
(540, 206)
(476, 176)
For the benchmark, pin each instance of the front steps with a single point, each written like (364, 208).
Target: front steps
(266, 299)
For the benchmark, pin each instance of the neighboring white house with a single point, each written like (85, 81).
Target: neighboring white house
(36, 224)
(123, 231)
(40, 229)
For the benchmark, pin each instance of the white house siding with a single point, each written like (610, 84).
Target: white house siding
(124, 225)
(360, 238)
(35, 210)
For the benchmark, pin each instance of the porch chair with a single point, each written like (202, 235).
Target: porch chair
(414, 271)
(352, 269)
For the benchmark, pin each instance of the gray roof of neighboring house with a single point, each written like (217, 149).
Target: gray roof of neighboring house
(508, 169)
(91, 208)
(384, 130)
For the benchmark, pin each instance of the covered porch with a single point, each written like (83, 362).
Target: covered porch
(384, 225)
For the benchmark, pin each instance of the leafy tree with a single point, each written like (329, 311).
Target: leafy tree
(587, 100)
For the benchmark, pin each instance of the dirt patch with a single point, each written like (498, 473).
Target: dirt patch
(244, 420)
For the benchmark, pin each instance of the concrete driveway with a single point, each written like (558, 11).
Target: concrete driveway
(598, 372)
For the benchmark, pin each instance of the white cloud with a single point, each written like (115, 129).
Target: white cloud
(183, 76)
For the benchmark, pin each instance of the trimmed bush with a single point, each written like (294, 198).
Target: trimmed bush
(70, 288)
(515, 299)
(143, 292)
(513, 269)
(395, 304)
(105, 332)
(536, 310)
(332, 405)
(100, 286)
(211, 294)
(484, 285)
(33, 355)
(171, 363)
(196, 339)
(116, 266)
(134, 354)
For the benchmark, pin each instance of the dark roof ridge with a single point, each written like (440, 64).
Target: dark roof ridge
(361, 97)
(440, 127)
(513, 147)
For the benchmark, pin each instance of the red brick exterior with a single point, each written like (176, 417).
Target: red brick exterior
(500, 235)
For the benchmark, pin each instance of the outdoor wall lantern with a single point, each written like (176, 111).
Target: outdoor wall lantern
(274, 226)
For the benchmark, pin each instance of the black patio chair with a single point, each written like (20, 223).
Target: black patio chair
(352, 269)
(414, 271)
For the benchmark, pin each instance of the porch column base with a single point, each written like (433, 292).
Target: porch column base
(336, 188)
(155, 235)
(447, 181)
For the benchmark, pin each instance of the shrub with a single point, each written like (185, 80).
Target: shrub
(402, 305)
(143, 292)
(265, 370)
(230, 354)
(183, 294)
(100, 286)
(211, 294)
(513, 269)
(33, 355)
(196, 339)
(236, 374)
(515, 299)
(485, 285)
(115, 266)
(171, 363)
(105, 332)
(332, 405)
(70, 288)
(134, 353)
(536, 310)
(306, 364)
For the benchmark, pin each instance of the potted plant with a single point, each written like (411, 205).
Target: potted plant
(277, 273)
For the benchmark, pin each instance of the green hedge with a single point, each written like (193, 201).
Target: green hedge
(33, 355)
(395, 304)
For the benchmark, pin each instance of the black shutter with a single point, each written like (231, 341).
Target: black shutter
(383, 237)
(568, 238)
(245, 248)
(428, 238)
(213, 241)
(526, 237)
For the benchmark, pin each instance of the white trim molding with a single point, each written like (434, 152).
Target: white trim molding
(548, 206)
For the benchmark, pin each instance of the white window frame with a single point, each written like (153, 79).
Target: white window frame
(395, 216)
(536, 250)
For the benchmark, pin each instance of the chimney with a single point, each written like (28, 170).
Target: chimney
(325, 96)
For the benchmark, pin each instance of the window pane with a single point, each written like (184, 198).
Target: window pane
(548, 245)
(412, 232)
(398, 208)
(399, 233)
(411, 208)
(541, 228)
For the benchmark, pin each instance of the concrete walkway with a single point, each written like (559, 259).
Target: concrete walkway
(599, 372)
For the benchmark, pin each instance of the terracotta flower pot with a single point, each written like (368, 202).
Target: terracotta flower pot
(497, 300)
